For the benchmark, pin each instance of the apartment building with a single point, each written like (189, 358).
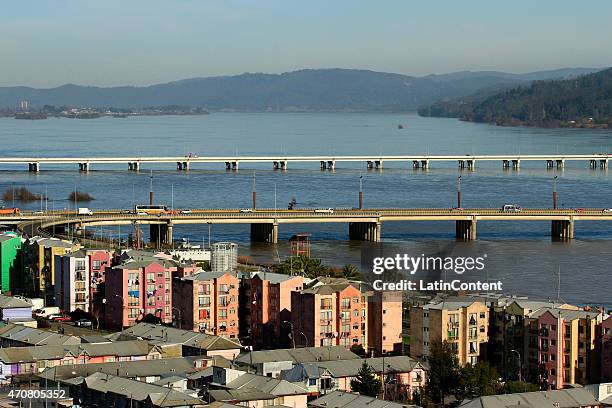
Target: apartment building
(508, 333)
(384, 316)
(78, 276)
(562, 347)
(606, 349)
(10, 248)
(270, 308)
(463, 323)
(329, 314)
(136, 288)
(207, 302)
(42, 253)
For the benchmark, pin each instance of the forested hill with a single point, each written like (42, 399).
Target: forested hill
(584, 101)
(304, 90)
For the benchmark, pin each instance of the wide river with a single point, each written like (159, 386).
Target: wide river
(519, 254)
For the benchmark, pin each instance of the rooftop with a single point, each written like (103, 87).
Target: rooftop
(298, 355)
(340, 399)
(569, 398)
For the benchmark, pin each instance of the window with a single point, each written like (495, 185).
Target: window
(312, 381)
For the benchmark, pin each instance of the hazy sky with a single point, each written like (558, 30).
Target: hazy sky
(114, 42)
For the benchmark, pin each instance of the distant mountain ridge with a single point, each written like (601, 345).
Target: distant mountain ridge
(582, 101)
(330, 90)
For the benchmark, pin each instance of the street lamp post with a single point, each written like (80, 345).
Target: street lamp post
(292, 336)
(520, 363)
(360, 192)
(179, 316)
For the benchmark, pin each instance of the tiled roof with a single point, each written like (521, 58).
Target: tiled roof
(570, 398)
(340, 399)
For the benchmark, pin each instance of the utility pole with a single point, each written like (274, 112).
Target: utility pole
(555, 193)
(151, 188)
(360, 192)
(254, 192)
(459, 192)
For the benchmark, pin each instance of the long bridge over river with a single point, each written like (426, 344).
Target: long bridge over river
(326, 162)
(363, 224)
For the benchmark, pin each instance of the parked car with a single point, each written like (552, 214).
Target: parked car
(607, 210)
(83, 323)
(54, 316)
(62, 318)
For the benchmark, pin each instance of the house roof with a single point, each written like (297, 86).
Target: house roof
(126, 369)
(163, 334)
(568, 398)
(268, 385)
(301, 372)
(340, 399)
(298, 355)
(239, 395)
(565, 314)
(10, 302)
(35, 337)
(12, 355)
(273, 277)
(139, 391)
(350, 368)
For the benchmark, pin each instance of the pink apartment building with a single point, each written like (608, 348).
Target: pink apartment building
(271, 307)
(207, 302)
(135, 289)
(329, 314)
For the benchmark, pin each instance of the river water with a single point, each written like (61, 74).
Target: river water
(520, 254)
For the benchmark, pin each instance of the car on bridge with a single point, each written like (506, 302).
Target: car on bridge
(246, 210)
(511, 208)
(607, 210)
(324, 210)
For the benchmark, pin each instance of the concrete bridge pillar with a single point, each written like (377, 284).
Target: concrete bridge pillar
(84, 167)
(416, 164)
(461, 164)
(516, 164)
(331, 164)
(471, 164)
(182, 166)
(280, 165)
(364, 231)
(561, 164)
(370, 165)
(425, 164)
(133, 166)
(549, 164)
(378, 164)
(465, 229)
(593, 164)
(161, 234)
(233, 165)
(267, 232)
(505, 164)
(603, 164)
(562, 230)
(34, 167)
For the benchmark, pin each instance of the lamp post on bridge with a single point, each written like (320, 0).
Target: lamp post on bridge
(555, 193)
(360, 192)
(254, 192)
(459, 192)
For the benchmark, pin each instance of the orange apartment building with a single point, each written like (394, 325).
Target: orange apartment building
(270, 308)
(207, 302)
(330, 314)
(384, 314)
(464, 324)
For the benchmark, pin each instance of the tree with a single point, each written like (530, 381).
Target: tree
(444, 371)
(359, 350)
(312, 268)
(513, 387)
(366, 382)
(476, 381)
(350, 272)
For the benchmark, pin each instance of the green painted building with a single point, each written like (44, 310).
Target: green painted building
(10, 244)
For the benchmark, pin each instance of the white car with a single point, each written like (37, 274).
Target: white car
(246, 210)
(185, 211)
(607, 210)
